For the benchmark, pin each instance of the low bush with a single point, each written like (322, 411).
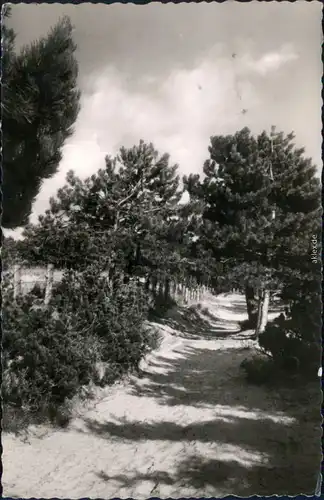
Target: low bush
(115, 315)
(293, 340)
(38, 291)
(160, 306)
(49, 353)
(46, 361)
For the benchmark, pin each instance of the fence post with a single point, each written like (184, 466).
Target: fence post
(189, 289)
(17, 281)
(49, 284)
(199, 292)
(196, 299)
(186, 294)
(147, 283)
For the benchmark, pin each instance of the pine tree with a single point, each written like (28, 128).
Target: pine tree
(40, 103)
(262, 205)
(126, 215)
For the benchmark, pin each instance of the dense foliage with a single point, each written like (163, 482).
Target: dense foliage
(10, 253)
(262, 205)
(127, 216)
(49, 353)
(294, 339)
(40, 103)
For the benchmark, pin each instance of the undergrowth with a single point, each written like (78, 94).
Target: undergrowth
(49, 353)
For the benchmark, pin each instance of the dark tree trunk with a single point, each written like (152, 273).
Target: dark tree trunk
(154, 286)
(251, 306)
(167, 290)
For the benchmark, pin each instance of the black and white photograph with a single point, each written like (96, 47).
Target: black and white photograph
(161, 249)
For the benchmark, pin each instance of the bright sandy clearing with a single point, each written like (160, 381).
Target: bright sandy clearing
(190, 427)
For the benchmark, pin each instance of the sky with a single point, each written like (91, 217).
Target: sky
(166, 73)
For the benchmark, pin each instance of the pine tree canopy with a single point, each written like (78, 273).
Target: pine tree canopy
(127, 214)
(40, 103)
(261, 202)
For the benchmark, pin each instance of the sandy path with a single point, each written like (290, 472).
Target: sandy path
(189, 427)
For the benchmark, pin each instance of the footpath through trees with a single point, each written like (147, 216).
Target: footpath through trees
(190, 426)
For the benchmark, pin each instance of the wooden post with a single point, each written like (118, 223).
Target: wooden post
(179, 295)
(198, 291)
(186, 294)
(17, 281)
(191, 296)
(49, 284)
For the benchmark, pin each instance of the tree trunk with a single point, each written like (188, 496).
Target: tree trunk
(263, 310)
(160, 289)
(174, 290)
(167, 290)
(251, 306)
(154, 286)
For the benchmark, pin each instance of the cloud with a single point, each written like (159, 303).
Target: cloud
(271, 61)
(178, 115)
(174, 87)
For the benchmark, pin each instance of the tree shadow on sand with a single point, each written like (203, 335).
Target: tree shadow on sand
(238, 306)
(230, 477)
(246, 420)
(280, 471)
(199, 377)
(261, 441)
(189, 323)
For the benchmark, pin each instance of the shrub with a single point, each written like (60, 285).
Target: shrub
(37, 291)
(49, 353)
(160, 306)
(114, 314)
(294, 340)
(45, 361)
